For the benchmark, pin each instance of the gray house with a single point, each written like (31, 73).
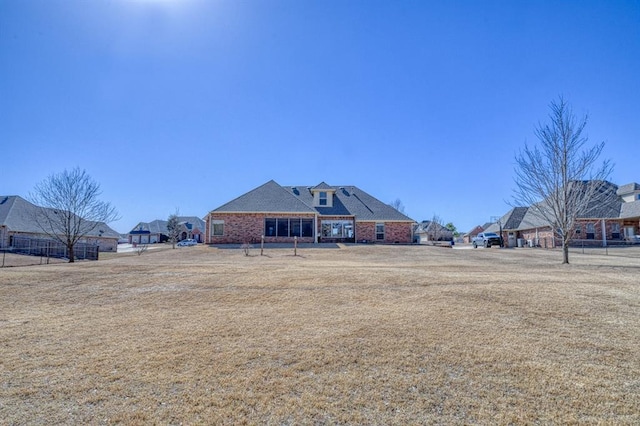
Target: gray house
(18, 219)
(427, 232)
(156, 231)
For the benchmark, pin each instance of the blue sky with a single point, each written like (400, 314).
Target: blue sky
(189, 104)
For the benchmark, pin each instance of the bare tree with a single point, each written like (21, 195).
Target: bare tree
(173, 228)
(559, 179)
(397, 204)
(141, 248)
(434, 230)
(69, 207)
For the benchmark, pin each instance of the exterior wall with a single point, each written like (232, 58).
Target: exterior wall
(472, 234)
(542, 237)
(145, 238)
(545, 237)
(240, 228)
(394, 232)
(4, 237)
(635, 223)
(104, 244)
(325, 218)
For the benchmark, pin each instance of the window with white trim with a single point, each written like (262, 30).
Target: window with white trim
(217, 228)
(591, 231)
(379, 231)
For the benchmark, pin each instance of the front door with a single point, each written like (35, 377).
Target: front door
(629, 231)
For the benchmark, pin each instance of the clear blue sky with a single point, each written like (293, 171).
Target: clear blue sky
(189, 104)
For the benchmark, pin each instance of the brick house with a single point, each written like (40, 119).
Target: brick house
(321, 213)
(18, 219)
(156, 231)
(613, 218)
(469, 236)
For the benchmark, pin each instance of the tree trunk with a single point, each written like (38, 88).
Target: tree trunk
(71, 254)
(565, 252)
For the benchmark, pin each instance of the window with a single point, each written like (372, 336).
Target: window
(337, 229)
(379, 231)
(217, 228)
(307, 227)
(284, 227)
(295, 227)
(591, 231)
(270, 227)
(322, 197)
(615, 231)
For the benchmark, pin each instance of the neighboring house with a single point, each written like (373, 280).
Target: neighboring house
(17, 218)
(508, 225)
(156, 231)
(613, 218)
(428, 231)
(469, 236)
(321, 213)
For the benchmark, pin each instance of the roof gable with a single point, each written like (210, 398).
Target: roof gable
(322, 186)
(267, 198)
(347, 201)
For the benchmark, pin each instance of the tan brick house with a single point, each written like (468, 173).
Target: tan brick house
(613, 218)
(17, 220)
(321, 213)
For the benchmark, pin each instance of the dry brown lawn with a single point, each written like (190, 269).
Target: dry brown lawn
(351, 335)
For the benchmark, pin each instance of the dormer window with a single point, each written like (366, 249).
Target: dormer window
(322, 195)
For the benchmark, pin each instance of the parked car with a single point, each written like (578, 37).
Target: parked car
(487, 239)
(187, 242)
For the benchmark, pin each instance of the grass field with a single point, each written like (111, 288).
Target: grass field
(350, 335)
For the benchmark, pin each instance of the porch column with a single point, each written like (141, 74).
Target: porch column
(604, 234)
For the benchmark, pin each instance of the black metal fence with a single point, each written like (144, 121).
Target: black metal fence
(51, 248)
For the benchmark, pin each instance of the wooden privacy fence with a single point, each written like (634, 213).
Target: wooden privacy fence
(51, 248)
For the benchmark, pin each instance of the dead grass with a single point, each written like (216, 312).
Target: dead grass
(355, 335)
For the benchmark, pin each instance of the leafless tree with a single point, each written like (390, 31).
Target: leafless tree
(434, 230)
(141, 248)
(69, 207)
(173, 228)
(559, 179)
(397, 204)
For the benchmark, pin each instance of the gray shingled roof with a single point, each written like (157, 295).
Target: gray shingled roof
(347, 201)
(159, 226)
(18, 215)
(270, 197)
(628, 188)
(630, 210)
(606, 204)
(509, 221)
(322, 185)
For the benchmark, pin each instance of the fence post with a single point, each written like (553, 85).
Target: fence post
(295, 246)
(261, 245)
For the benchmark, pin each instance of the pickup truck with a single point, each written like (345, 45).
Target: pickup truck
(487, 239)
